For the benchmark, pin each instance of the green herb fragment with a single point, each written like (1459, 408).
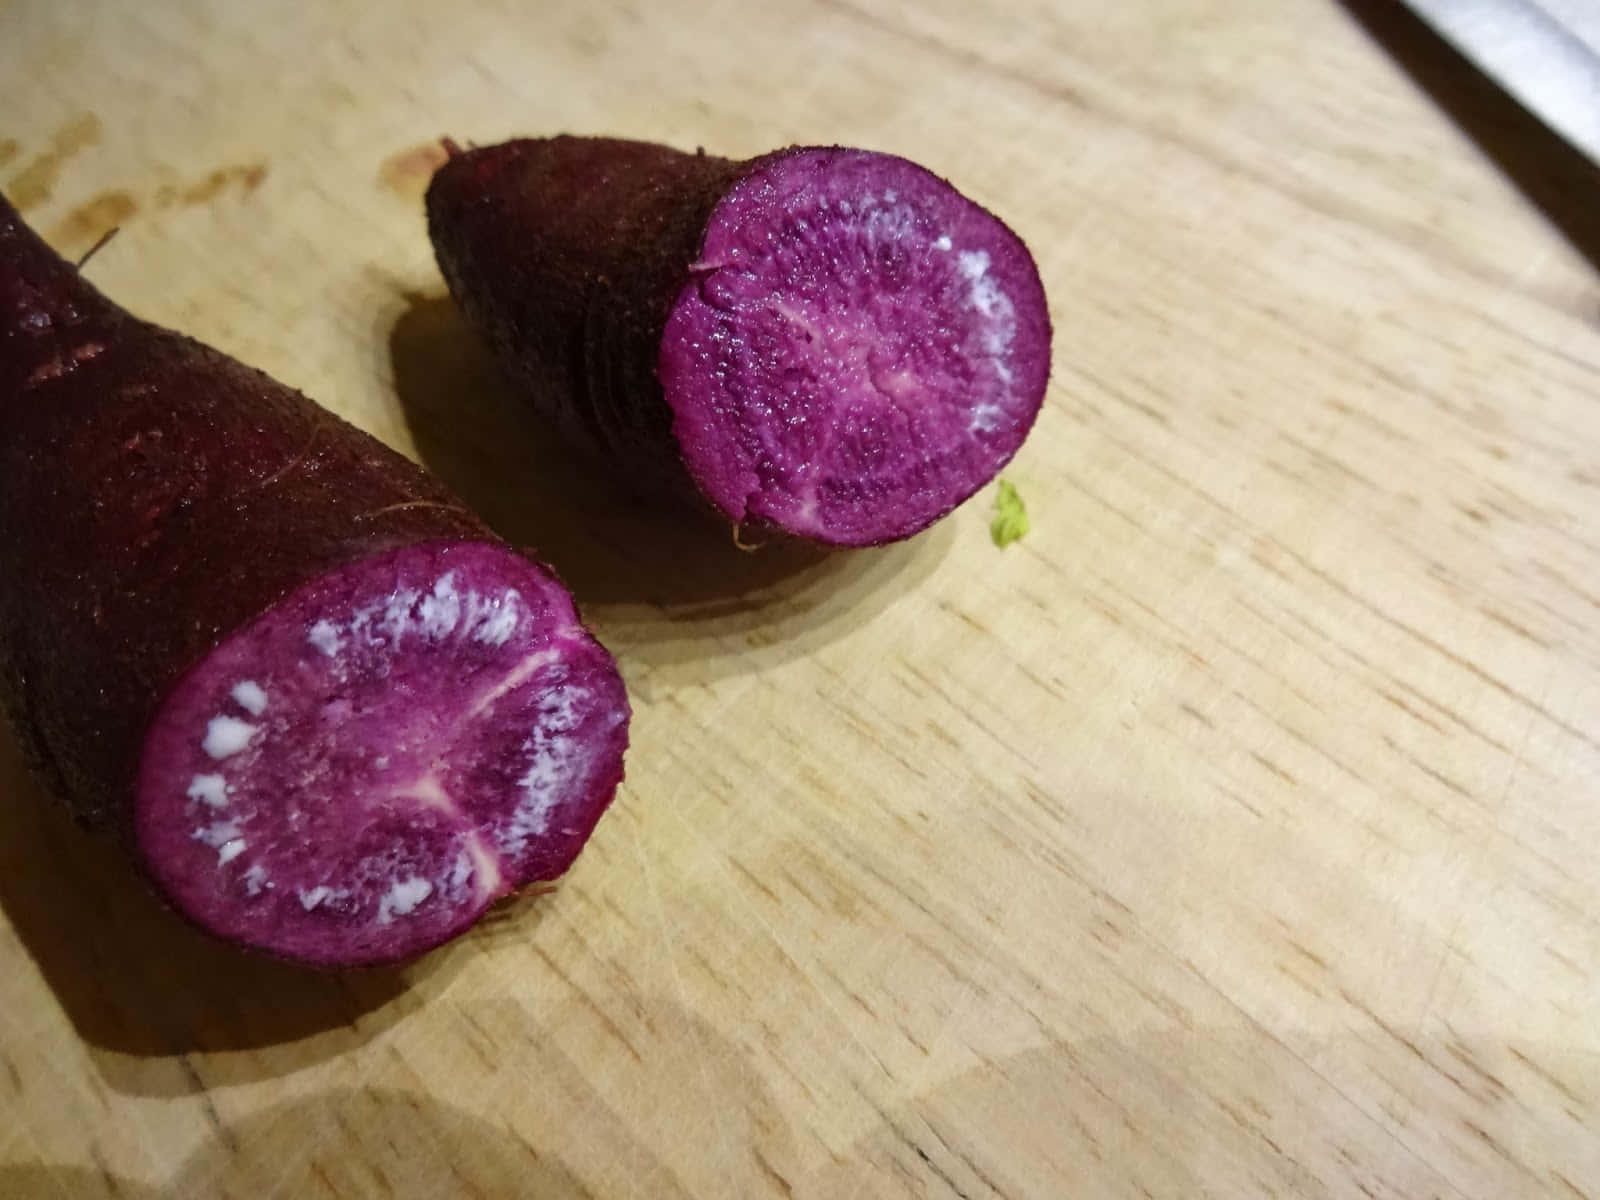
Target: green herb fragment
(1010, 517)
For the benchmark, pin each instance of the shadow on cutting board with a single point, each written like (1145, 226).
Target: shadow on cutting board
(342, 1143)
(552, 1126)
(1556, 178)
(164, 1008)
(1181, 1112)
(668, 586)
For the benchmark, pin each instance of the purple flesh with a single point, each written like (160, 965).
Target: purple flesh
(859, 349)
(831, 343)
(332, 715)
(361, 771)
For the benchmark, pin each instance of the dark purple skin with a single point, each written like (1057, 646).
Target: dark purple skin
(332, 715)
(831, 343)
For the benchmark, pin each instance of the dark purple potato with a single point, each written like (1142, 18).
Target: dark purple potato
(829, 342)
(332, 714)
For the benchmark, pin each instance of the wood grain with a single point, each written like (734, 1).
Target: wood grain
(1228, 835)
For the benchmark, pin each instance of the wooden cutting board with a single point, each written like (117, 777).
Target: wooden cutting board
(1229, 835)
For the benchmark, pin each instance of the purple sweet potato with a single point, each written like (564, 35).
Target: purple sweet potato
(828, 342)
(332, 715)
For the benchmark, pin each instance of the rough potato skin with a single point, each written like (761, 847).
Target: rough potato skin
(155, 495)
(607, 230)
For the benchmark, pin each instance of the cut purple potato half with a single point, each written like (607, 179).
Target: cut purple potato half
(362, 770)
(858, 349)
(333, 717)
(832, 343)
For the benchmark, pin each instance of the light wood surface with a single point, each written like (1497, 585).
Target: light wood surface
(1232, 834)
